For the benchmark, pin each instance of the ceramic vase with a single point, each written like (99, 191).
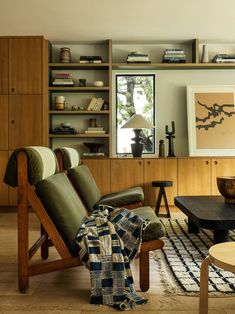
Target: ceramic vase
(205, 56)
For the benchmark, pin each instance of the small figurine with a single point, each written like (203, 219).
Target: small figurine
(170, 136)
(161, 149)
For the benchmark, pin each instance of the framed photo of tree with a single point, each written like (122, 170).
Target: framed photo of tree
(135, 94)
(211, 120)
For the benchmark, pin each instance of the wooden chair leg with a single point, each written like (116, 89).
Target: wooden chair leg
(144, 270)
(23, 225)
(203, 303)
(44, 247)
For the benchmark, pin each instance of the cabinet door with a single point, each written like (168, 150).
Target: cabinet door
(126, 173)
(3, 186)
(221, 167)
(100, 169)
(25, 65)
(194, 176)
(159, 169)
(25, 120)
(4, 122)
(4, 66)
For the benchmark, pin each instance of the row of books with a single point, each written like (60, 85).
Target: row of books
(95, 130)
(95, 104)
(176, 55)
(90, 59)
(224, 58)
(137, 57)
(63, 79)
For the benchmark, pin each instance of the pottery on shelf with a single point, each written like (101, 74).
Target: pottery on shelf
(226, 186)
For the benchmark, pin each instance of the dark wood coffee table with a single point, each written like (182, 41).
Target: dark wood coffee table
(208, 212)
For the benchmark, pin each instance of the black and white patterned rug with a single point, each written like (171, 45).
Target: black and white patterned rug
(181, 257)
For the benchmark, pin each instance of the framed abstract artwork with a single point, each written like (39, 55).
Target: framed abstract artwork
(211, 120)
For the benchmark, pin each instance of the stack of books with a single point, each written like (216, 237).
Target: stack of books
(174, 56)
(95, 130)
(224, 58)
(95, 104)
(63, 79)
(64, 130)
(137, 57)
(90, 59)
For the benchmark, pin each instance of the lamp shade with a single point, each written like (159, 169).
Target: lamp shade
(137, 121)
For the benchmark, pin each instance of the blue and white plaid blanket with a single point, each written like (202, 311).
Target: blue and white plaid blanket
(107, 241)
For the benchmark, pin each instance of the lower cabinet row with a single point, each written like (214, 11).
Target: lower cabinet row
(190, 175)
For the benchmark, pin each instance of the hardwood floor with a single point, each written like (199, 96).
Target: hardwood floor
(68, 291)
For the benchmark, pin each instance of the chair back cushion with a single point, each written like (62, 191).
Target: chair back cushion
(64, 207)
(85, 185)
(41, 162)
(70, 157)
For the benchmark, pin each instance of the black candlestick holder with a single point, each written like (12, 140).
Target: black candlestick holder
(170, 136)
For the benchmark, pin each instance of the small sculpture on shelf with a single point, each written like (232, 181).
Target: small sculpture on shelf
(170, 136)
(161, 152)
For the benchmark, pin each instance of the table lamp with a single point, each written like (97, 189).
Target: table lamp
(137, 122)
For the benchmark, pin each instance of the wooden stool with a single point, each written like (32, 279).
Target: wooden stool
(221, 255)
(162, 185)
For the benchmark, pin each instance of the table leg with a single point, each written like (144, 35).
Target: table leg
(221, 236)
(192, 228)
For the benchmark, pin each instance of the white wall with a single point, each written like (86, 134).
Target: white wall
(171, 99)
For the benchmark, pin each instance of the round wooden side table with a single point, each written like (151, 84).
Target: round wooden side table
(221, 255)
(162, 193)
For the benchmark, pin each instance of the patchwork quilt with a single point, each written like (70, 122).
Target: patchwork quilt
(107, 241)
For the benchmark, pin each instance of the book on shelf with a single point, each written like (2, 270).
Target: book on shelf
(63, 79)
(136, 57)
(95, 128)
(90, 59)
(95, 132)
(224, 58)
(95, 104)
(93, 154)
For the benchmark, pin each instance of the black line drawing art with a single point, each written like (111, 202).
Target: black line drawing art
(214, 112)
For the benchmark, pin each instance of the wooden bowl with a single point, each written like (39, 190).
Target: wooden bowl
(226, 186)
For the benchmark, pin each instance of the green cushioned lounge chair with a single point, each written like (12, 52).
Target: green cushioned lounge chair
(34, 171)
(84, 183)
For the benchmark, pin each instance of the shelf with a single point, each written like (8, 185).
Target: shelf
(74, 66)
(80, 89)
(77, 135)
(169, 66)
(78, 112)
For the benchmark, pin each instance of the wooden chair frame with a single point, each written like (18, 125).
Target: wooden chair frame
(50, 236)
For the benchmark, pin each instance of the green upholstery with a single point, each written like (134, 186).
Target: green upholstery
(85, 185)
(122, 198)
(155, 229)
(63, 206)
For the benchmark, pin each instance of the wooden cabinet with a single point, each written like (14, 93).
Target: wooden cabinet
(23, 83)
(100, 169)
(3, 186)
(194, 176)
(4, 66)
(126, 173)
(25, 120)
(25, 65)
(221, 167)
(159, 169)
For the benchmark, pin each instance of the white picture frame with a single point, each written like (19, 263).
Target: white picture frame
(211, 120)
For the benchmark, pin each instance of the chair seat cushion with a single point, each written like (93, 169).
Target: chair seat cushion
(155, 229)
(63, 206)
(122, 198)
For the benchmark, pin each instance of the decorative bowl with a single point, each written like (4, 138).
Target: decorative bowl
(226, 186)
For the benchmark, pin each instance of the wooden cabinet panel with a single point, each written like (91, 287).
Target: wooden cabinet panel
(159, 169)
(25, 120)
(126, 173)
(4, 122)
(4, 66)
(194, 176)
(25, 65)
(3, 186)
(100, 169)
(221, 167)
